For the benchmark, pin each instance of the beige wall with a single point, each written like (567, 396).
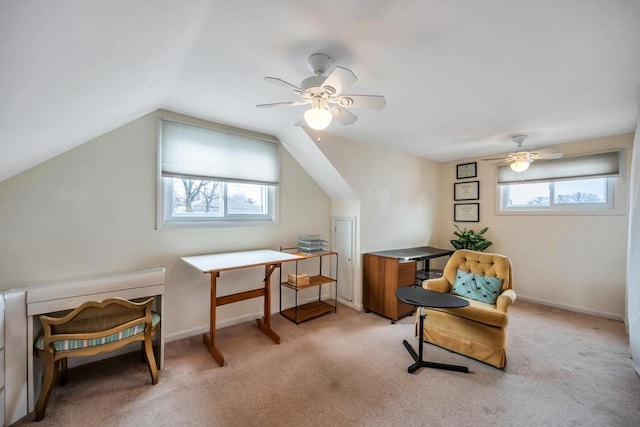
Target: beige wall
(398, 193)
(397, 198)
(572, 261)
(577, 262)
(92, 210)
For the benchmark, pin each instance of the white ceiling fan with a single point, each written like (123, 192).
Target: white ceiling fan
(325, 94)
(520, 160)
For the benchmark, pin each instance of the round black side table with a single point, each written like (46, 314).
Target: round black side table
(420, 297)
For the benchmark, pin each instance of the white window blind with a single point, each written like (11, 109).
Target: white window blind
(197, 152)
(577, 167)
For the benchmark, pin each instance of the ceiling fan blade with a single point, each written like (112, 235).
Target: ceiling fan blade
(372, 102)
(498, 158)
(339, 79)
(343, 116)
(547, 154)
(282, 83)
(283, 104)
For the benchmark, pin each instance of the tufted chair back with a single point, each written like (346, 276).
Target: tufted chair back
(486, 264)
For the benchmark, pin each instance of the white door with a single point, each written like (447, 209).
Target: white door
(344, 246)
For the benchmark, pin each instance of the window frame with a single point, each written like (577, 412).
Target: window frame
(170, 219)
(616, 200)
(560, 208)
(164, 192)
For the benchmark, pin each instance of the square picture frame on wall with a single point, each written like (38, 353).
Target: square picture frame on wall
(466, 212)
(469, 190)
(467, 170)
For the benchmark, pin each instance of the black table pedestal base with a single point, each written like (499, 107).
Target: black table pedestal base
(419, 362)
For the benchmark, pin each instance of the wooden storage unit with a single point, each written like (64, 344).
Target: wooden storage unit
(386, 271)
(381, 277)
(302, 312)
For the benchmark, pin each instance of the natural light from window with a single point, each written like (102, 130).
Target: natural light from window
(196, 198)
(581, 194)
(217, 176)
(581, 191)
(584, 191)
(583, 185)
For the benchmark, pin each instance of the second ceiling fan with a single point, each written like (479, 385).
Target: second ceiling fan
(519, 161)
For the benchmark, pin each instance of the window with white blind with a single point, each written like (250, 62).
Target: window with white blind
(217, 176)
(586, 184)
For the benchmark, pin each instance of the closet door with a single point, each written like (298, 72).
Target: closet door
(344, 246)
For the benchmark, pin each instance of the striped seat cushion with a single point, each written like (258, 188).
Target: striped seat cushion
(77, 344)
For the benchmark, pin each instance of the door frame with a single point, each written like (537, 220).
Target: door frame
(354, 263)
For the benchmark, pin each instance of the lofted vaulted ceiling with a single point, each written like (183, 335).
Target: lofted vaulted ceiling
(459, 77)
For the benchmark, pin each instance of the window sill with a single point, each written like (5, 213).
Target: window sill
(177, 225)
(585, 212)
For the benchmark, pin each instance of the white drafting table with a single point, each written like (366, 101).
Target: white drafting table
(214, 264)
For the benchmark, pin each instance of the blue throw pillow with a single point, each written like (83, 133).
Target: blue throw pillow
(477, 287)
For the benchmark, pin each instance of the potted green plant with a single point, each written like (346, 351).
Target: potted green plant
(469, 239)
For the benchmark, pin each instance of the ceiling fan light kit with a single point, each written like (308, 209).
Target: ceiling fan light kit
(521, 160)
(324, 93)
(520, 165)
(318, 118)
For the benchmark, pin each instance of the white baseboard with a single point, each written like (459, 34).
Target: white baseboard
(198, 330)
(350, 304)
(226, 323)
(582, 310)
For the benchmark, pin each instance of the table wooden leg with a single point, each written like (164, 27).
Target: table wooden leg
(264, 324)
(209, 339)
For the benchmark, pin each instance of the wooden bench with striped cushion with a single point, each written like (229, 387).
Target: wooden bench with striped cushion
(94, 327)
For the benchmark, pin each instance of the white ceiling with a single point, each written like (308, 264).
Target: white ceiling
(459, 76)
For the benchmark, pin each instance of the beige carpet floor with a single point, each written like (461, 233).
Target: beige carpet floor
(350, 369)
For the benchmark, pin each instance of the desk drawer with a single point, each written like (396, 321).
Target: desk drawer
(407, 273)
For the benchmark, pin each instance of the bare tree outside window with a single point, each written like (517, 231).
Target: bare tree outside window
(579, 197)
(197, 198)
(563, 195)
(192, 189)
(209, 193)
(539, 201)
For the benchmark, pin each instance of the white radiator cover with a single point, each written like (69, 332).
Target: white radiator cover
(15, 356)
(16, 326)
(49, 298)
(2, 412)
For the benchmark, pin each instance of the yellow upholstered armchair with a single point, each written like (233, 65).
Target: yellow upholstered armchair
(479, 330)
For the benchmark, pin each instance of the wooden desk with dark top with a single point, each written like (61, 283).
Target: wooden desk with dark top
(386, 271)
